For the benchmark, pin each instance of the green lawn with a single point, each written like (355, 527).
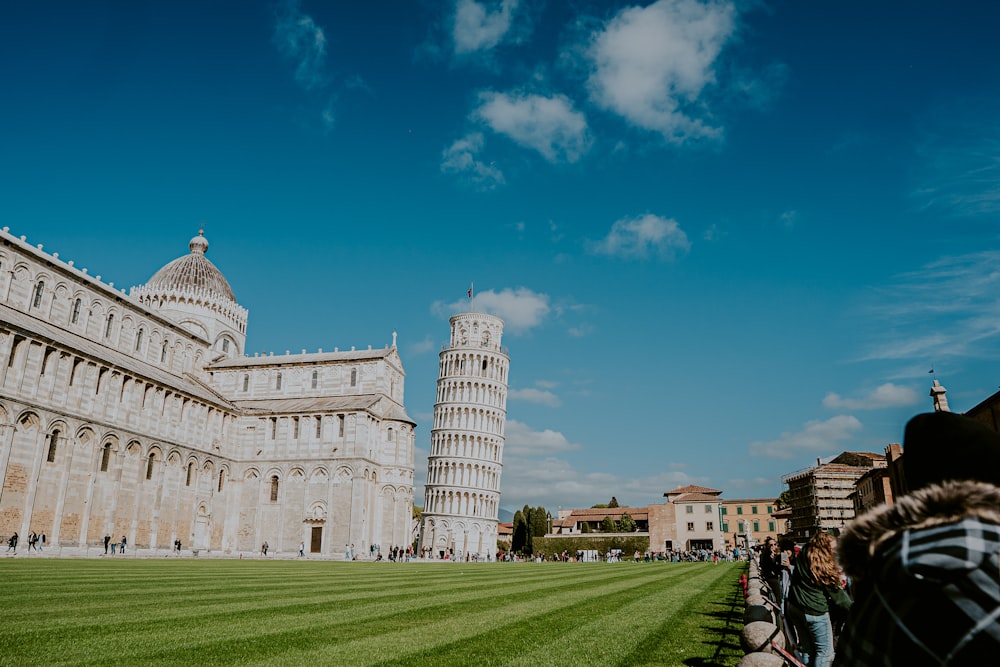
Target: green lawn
(252, 612)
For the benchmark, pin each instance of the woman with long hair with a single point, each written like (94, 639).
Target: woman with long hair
(816, 590)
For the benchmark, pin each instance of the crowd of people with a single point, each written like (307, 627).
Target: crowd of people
(916, 582)
(36, 542)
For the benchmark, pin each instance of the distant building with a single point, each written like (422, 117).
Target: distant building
(874, 488)
(748, 521)
(821, 497)
(591, 520)
(697, 514)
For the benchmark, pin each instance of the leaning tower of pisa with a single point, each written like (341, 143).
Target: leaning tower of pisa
(462, 493)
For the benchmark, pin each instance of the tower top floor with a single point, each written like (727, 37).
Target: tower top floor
(477, 331)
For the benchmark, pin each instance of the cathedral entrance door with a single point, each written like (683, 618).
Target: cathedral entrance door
(316, 540)
(201, 530)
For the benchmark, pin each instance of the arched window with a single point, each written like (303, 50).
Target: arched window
(295, 428)
(277, 382)
(75, 313)
(107, 327)
(354, 378)
(105, 457)
(274, 489)
(163, 352)
(319, 427)
(222, 479)
(149, 465)
(246, 382)
(53, 439)
(315, 379)
(138, 339)
(39, 290)
(225, 345)
(190, 472)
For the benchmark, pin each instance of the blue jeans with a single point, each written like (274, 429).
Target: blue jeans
(817, 644)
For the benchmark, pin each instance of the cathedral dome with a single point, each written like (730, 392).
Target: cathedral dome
(192, 272)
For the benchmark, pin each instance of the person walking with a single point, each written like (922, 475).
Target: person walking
(107, 543)
(302, 549)
(814, 593)
(124, 542)
(12, 543)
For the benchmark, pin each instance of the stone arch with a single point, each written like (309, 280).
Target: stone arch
(319, 474)
(133, 448)
(344, 474)
(174, 457)
(29, 420)
(251, 473)
(296, 473)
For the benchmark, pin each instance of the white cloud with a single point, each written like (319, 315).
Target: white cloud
(651, 64)
(521, 309)
(301, 40)
(789, 219)
(461, 158)
(816, 437)
(477, 28)
(521, 439)
(424, 346)
(887, 395)
(549, 125)
(947, 309)
(637, 238)
(534, 474)
(539, 396)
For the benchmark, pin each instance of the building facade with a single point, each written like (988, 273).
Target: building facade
(748, 521)
(139, 415)
(822, 497)
(462, 492)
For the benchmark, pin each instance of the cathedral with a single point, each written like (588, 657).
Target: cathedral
(140, 415)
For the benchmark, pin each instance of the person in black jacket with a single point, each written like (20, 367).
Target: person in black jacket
(926, 570)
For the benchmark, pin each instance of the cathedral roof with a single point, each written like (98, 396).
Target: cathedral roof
(192, 272)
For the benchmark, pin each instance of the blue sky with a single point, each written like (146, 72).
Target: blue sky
(727, 238)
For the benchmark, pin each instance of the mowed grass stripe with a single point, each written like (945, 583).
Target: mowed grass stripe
(482, 635)
(233, 612)
(360, 639)
(601, 630)
(274, 600)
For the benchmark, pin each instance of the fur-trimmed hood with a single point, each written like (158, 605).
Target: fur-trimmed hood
(933, 505)
(926, 579)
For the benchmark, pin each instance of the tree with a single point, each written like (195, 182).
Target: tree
(520, 537)
(608, 525)
(614, 502)
(626, 524)
(418, 512)
(585, 527)
(784, 500)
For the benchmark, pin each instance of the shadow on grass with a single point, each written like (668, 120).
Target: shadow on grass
(726, 624)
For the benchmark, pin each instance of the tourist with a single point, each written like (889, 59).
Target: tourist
(302, 549)
(770, 568)
(814, 594)
(12, 543)
(926, 570)
(41, 541)
(107, 541)
(124, 542)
